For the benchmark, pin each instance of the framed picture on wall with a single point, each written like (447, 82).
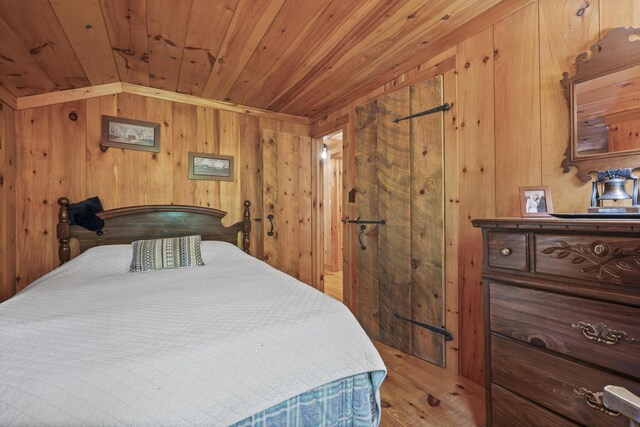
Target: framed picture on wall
(130, 134)
(214, 167)
(535, 201)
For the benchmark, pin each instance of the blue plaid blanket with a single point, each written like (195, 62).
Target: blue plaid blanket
(352, 401)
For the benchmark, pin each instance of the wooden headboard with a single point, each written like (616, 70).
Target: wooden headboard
(124, 225)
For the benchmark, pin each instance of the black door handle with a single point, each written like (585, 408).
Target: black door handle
(270, 218)
(362, 230)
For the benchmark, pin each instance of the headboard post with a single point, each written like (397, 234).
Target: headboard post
(64, 249)
(246, 226)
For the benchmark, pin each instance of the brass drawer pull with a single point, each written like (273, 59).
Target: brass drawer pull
(599, 249)
(595, 401)
(600, 333)
(506, 251)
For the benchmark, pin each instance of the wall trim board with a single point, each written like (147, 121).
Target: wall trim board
(8, 205)
(33, 101)
(319, 130)
(59, 97)
(211, 103)
(7, 97)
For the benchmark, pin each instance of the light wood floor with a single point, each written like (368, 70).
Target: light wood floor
(333, 284)
(417, 393)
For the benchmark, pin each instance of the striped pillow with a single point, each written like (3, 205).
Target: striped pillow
(172, 252)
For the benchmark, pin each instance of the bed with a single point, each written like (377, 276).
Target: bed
(234, 342)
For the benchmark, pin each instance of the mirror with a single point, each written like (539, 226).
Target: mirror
(604, 95)
(608, 113)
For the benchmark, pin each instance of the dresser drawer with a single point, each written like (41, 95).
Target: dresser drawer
(511, 410)
(601, 333)
(565, 387)
(603, 259)
(508, 250)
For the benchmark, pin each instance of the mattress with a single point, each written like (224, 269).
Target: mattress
(92, 344)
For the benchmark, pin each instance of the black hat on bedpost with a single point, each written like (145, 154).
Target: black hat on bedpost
(84, 214)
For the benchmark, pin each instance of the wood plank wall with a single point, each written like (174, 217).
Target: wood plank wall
(7, 203)
(287, 206)
(511, 126)
(57, 156)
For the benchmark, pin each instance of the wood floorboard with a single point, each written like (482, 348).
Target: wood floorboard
(417, 393)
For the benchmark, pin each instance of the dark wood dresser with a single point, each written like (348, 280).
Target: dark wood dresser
(562, 319)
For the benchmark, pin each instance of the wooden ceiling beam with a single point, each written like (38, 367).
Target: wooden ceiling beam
(84, 26)
(37, 26)
(33, 101)
(59, 97)
(208, 24)
(250, 23)
(412, 59)
(211, 103)
(126, 22)
(323, 128)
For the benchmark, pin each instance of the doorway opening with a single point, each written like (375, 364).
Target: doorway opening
(332, 217)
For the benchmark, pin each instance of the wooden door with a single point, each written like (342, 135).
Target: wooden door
(336, 212)
(399, 168)
(287, 203)
(332, 201)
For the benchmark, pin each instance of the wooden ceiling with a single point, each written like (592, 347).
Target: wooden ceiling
(294, 56)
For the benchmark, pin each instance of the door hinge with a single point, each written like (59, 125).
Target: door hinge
(442, 331)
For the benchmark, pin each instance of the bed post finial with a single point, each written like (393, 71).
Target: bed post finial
(64, 249)
(246, 226)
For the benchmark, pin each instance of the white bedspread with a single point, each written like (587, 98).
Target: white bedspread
(91, 344)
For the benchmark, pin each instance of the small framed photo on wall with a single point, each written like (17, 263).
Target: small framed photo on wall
(130, 134)
(214, 167)
(535, 201)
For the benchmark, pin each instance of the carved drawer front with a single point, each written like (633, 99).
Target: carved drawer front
(603, 259)
(601, 333)
(511, 410)
(565, 387)
(508, 250)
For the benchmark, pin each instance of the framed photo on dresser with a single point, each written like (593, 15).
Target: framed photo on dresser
(535, 201)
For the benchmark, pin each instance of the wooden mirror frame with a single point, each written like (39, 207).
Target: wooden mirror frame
(613, 52)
